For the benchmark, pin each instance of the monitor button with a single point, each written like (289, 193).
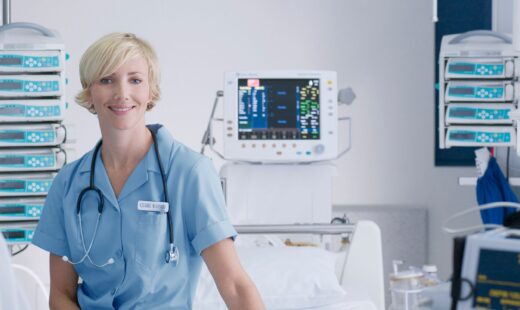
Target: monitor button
(319, 149)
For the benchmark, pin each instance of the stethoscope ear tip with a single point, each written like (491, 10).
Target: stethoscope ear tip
(65, 258)
(110, 261)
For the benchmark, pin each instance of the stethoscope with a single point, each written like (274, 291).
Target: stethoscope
(172, 254)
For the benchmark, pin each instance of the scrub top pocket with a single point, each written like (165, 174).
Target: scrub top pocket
(151, 239)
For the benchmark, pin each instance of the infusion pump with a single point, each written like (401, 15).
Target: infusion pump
(32, 107)
(478, 90)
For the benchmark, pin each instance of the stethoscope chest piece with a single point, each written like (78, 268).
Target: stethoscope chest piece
(172, 255)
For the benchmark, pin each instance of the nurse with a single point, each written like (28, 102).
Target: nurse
(141, 172)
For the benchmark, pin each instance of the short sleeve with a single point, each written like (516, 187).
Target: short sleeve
(204, 208)
(50, 233)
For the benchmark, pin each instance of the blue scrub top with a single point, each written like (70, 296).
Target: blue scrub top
(137, 240)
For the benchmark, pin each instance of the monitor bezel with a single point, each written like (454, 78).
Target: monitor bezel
(286, 150)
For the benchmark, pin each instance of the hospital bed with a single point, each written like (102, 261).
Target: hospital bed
(302, 277)
(307, 277)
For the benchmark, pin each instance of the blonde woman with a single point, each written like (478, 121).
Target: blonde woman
(135, 217)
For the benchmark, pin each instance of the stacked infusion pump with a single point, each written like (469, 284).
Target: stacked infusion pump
(31, 110)
(478, 83)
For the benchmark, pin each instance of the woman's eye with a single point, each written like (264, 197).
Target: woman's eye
(105, 81)
(136, 81)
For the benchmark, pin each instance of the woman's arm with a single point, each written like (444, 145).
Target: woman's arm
(233, 283)
(64, 282)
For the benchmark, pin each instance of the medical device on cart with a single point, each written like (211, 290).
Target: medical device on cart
(32, 106)
(279, 119)
(280, 130)
(491, 270)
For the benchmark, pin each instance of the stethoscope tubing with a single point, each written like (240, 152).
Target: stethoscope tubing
(172, 252)
(163, 179)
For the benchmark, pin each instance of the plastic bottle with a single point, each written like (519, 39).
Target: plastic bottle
(430, 276)
(405, 287)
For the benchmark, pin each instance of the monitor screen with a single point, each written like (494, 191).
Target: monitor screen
(497, 283)
(278, 109)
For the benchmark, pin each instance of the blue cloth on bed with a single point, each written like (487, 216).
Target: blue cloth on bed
(493, 187)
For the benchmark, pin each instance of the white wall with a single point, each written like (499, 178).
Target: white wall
(503, 16)
(383, 49)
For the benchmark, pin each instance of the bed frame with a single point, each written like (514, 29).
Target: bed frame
(363, 268)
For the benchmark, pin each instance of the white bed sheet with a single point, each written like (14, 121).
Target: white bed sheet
(350, 302)
(288, 278)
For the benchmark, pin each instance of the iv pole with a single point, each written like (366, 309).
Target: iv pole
(516, 24)
(6, 12)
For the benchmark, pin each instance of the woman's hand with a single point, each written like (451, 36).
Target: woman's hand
(64, 282)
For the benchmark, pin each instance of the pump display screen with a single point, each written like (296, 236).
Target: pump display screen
(11, 135)
(11, 160)
(461, 67)
(15, 234)
(461, 91)
(462, 136)
(11, 110)
(278, 109)
(7, 85)
(12, 185)
(463, 112)
(12, 210)
(497, 285)
(10, 61)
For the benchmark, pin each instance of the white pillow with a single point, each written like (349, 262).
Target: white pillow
(286, 277)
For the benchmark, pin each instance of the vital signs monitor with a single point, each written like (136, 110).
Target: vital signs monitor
(491, 264)
(279, 116)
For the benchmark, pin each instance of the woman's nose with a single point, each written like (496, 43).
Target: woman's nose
(120, 92)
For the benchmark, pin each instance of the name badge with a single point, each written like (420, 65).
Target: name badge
(153, 206)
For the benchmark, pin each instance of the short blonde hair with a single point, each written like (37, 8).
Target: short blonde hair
(106, 55)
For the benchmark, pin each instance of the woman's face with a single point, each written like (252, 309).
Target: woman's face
(120, 99)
